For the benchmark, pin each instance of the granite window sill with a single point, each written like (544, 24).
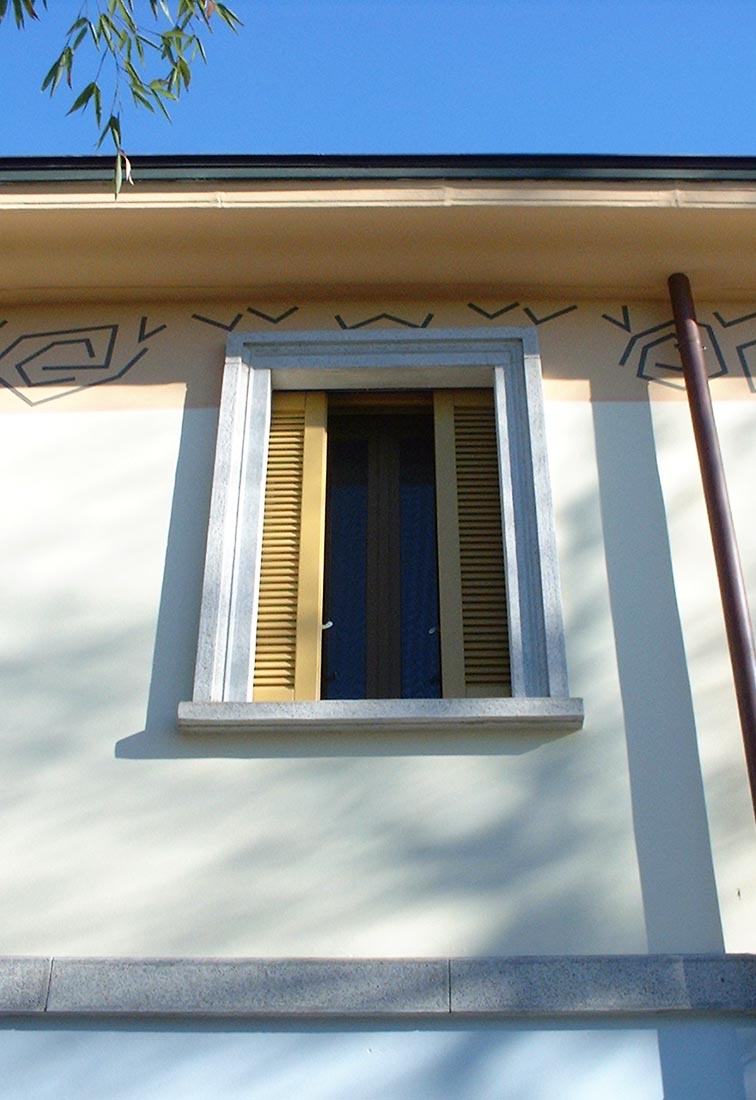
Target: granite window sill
(547, 715)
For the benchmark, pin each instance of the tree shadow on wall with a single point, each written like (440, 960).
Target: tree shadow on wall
(667, 793)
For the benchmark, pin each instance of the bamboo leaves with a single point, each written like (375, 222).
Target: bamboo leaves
(144, 48)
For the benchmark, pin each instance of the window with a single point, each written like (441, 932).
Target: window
(382, 568)
(381, 547)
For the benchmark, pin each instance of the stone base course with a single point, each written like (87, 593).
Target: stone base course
(555, 987)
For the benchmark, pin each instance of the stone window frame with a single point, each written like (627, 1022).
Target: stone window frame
(507, 361)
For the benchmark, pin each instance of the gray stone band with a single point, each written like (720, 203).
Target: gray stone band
(398, 716)
(566, 987)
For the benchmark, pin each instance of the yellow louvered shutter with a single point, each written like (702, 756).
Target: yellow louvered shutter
(287, 650)
(472, 594)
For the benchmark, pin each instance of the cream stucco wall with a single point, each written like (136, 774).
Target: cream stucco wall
(321, 1062)
(118, 836)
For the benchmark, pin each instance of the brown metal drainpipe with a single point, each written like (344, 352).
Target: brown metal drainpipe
(731, 586)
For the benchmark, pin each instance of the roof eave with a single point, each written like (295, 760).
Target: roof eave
(215, 168)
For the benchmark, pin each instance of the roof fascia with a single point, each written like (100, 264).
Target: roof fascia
(179, 169)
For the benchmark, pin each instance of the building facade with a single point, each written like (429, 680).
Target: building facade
(534, 878)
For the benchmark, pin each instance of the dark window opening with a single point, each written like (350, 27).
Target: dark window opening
(381, 637)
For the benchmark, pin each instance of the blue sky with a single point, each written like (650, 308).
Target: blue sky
(428, 76)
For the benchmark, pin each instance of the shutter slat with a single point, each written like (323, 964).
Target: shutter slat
(275, 651)
(287, 653)
(484, 604)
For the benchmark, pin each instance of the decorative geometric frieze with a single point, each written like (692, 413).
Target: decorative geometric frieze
(67, 359)
(534, 319)
(650, 366)
(269, 318)
(218, 324)
(384, 317)
(624, 323)
(735, 320)
(548, 316)
(144, 334)
(491, 316)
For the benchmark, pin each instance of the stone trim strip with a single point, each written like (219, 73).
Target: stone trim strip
(545, 716)
(24, 983)
(250, 987)
(604, 985)
(557, 987)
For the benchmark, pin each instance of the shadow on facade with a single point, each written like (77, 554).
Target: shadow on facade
(669, 811)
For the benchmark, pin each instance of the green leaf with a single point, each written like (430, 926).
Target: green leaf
(141, 99)
(22, 9)
(80, 22)
(83, 98)
(230, 18)
(79, 39)
(121, 171)
(158, 97)
(105, 30)
(97, 104)
(113, 128)
(53, 76)
(67, 56)
(117, 175)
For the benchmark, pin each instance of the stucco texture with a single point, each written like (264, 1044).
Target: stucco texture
(120, 836)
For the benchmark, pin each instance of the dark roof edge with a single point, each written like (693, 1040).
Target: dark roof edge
(217, 168)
